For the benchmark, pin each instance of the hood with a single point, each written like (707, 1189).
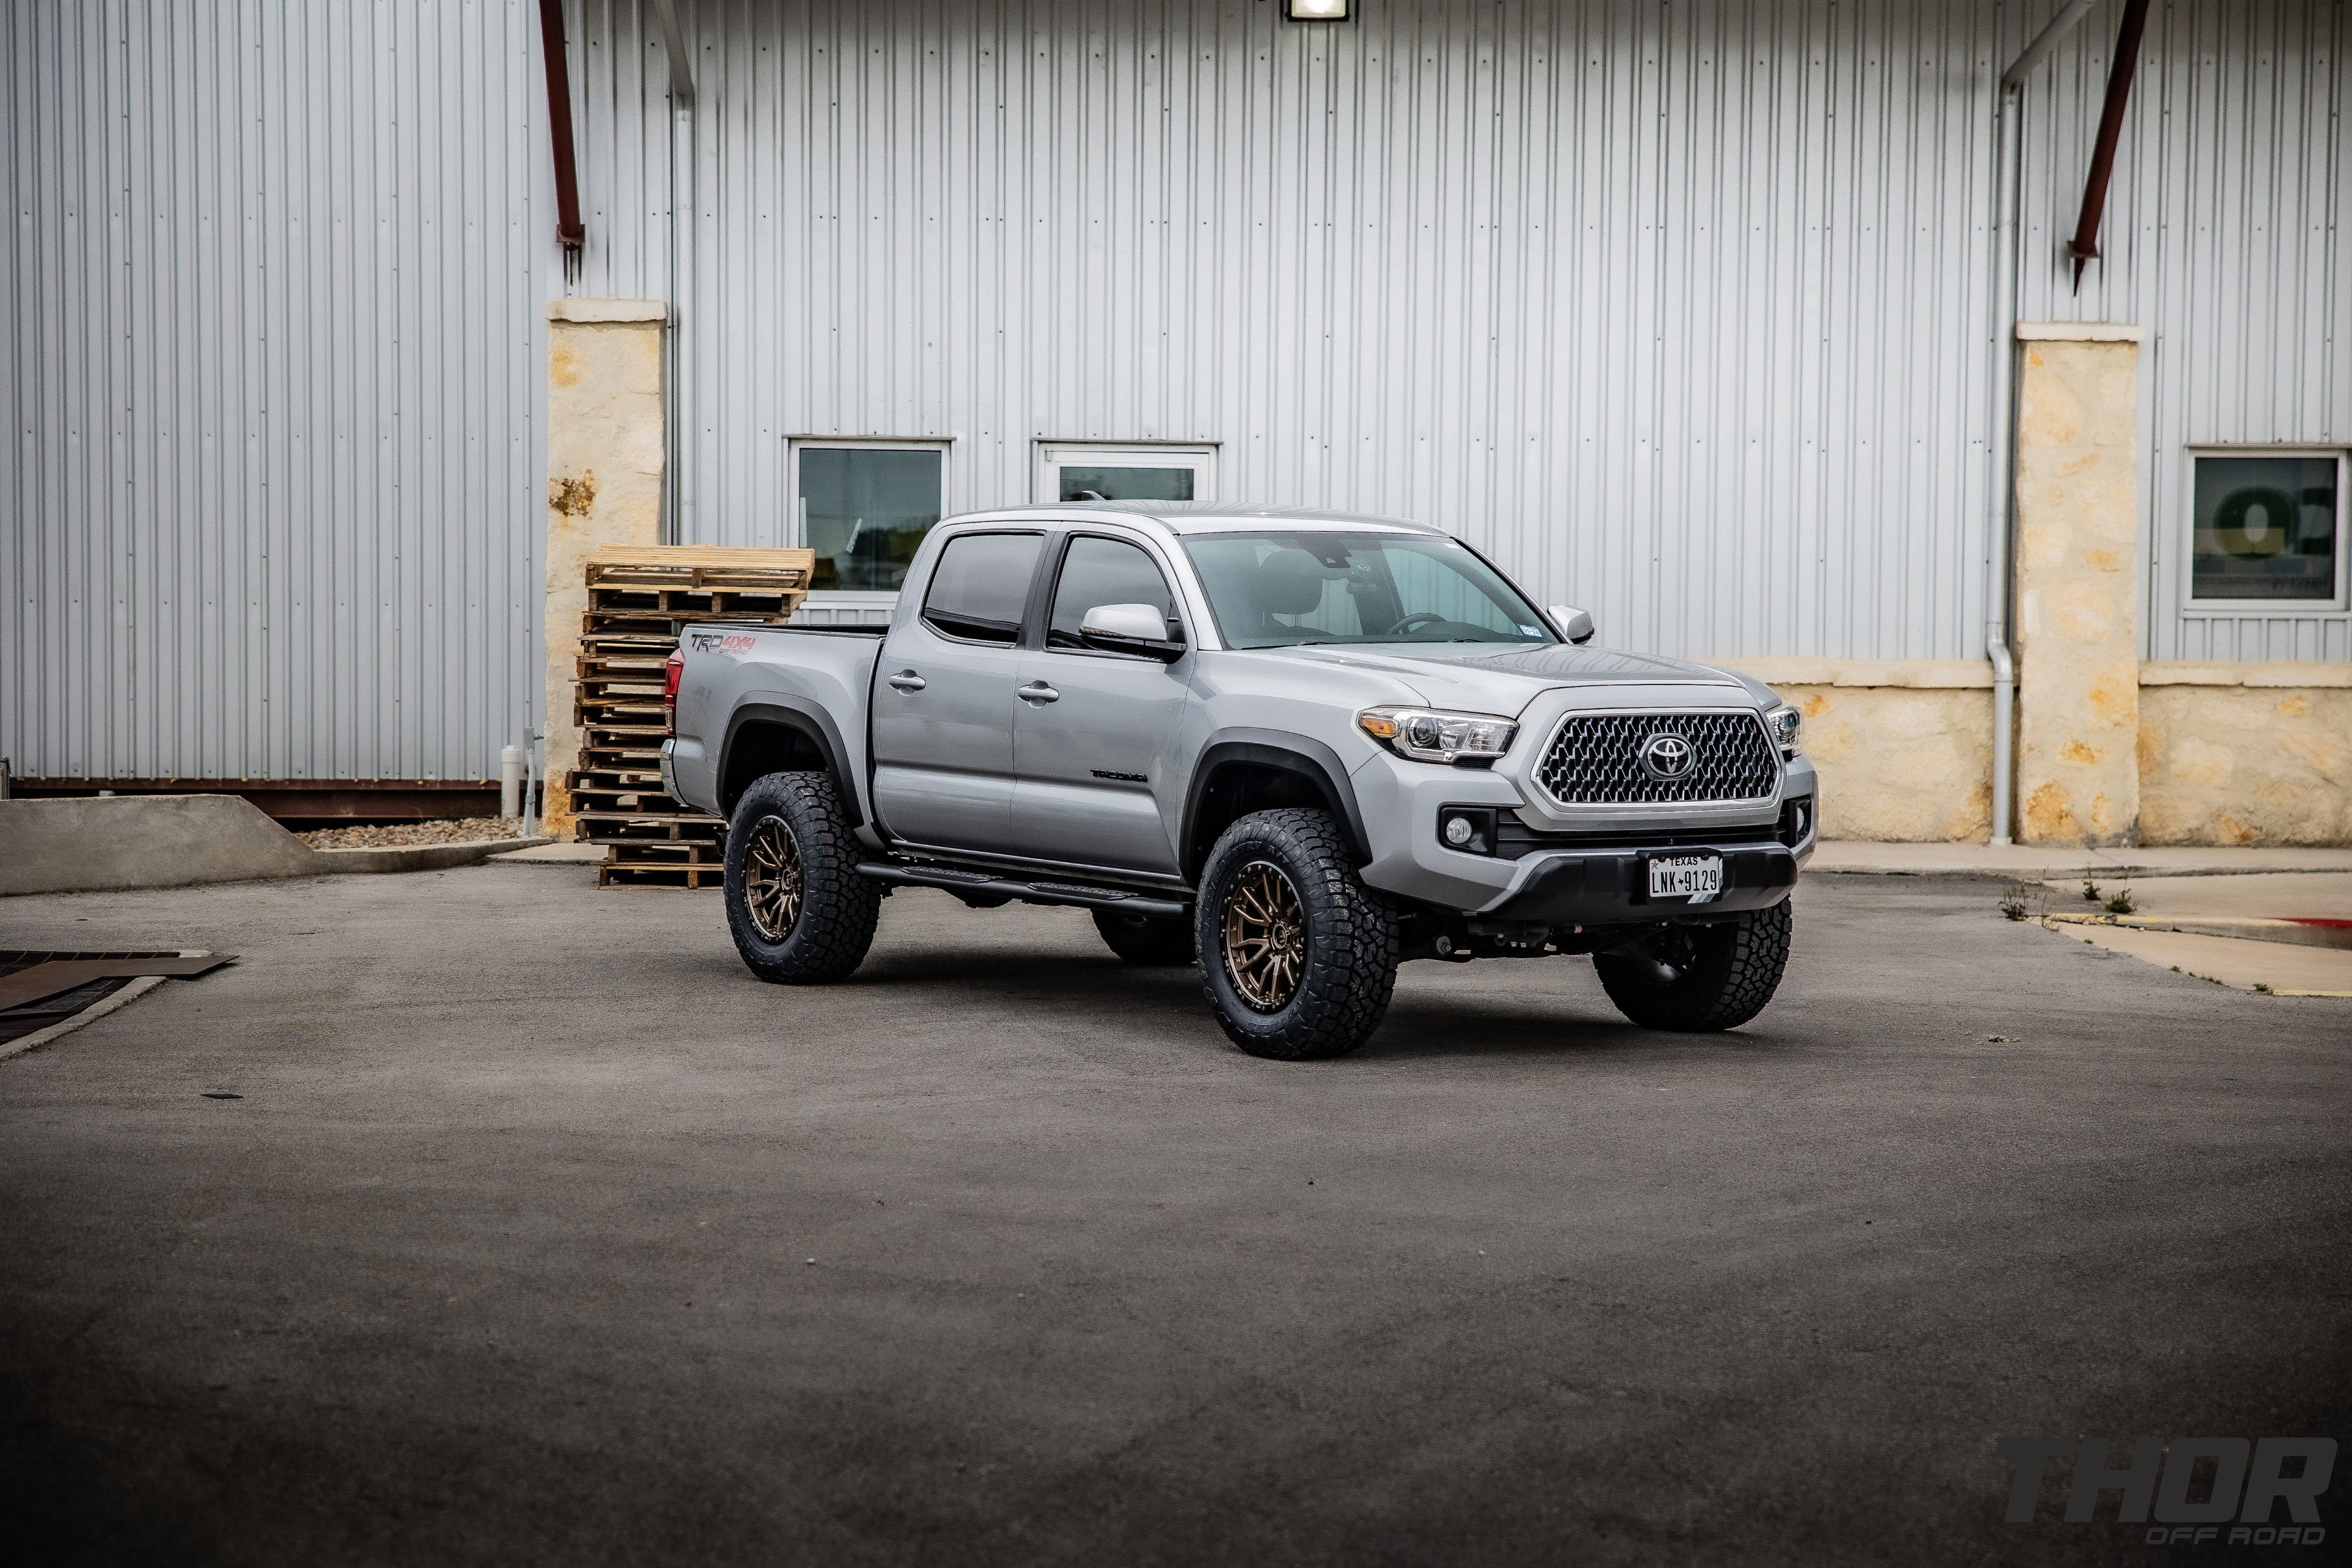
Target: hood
(1483, 677)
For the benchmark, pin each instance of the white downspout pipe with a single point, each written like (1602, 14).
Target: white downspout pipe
(2009, 139)
(2008, 260)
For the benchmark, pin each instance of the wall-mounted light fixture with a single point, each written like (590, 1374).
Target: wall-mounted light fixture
(1318, 10)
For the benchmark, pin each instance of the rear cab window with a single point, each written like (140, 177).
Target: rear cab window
(979, 589)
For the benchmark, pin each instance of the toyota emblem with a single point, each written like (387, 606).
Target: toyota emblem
(1667, 756)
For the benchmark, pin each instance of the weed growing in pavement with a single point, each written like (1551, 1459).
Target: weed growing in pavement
(2014, 901)
(2090, 891)
(2121, 904)
(2262, 987)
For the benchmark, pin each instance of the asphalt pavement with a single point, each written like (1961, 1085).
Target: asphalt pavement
(538, 1232)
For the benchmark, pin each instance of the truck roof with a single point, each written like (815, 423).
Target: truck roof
(1215, 517)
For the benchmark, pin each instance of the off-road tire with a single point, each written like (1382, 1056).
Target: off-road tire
(838, 908)
(1735, 967)
(1144, 939)
(1347, 971)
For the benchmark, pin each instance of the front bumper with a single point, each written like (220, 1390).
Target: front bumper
(1612, 887)
(1586, 869)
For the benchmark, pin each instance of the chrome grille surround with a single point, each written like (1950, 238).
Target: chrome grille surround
(1595, 759)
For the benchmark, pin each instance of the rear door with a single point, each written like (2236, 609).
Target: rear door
(1096, 730)
(943, 697)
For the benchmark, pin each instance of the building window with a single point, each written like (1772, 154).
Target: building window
(863, 506)
(2268, 527)
(1071, 472)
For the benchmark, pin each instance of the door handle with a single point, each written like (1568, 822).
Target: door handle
(908, 680)
(1037, 692)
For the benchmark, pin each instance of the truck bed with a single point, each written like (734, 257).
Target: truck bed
(816, 678)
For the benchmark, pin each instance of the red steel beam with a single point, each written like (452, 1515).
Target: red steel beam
(569, 232)
(2084, 245)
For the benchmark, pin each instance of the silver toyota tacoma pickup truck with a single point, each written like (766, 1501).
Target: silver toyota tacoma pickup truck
(1296, 748)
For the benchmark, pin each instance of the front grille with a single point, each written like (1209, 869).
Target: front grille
(1596, 759)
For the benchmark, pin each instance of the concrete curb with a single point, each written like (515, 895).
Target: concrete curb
(2332, 934)
(422, 857)
(2021, 863)
(87, 843)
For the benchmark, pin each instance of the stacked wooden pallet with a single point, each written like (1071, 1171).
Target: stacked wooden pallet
(639, 599)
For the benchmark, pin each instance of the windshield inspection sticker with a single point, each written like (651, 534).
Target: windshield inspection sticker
(1527, 631)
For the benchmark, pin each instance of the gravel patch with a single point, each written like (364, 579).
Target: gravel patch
(390, 835)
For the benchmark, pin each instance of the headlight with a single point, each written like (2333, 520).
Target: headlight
(1784, 722)
(1427, 735)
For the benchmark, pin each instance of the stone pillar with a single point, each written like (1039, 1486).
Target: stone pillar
(2078, 583)
(605, 453)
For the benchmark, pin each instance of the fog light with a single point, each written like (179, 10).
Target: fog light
(1458, 831)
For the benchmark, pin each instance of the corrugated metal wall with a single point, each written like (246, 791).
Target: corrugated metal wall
(1680, 310)
(276, 354)
(2223, 238)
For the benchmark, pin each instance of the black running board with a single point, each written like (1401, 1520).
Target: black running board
(984, 884)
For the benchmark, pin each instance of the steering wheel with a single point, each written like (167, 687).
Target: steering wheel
(1415, 621)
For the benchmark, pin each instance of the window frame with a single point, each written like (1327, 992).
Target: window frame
(794, 530)
(1029, 598)
(1200, 456)
(2220, 609)
(1059, 555)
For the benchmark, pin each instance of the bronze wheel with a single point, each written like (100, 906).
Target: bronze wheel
(799, 911)
(1264, 936)
(771, 880)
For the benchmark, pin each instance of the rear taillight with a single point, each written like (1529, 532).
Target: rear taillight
(672, 672)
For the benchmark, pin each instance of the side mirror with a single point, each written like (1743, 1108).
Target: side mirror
(1574, 625)
(1130, 629)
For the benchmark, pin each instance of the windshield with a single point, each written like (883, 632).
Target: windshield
(1283, 590)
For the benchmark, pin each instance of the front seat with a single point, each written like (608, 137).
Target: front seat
(1289, 583)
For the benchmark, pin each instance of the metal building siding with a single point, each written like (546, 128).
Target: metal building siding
(1681, 310)
(273, 398)
(2222, 238)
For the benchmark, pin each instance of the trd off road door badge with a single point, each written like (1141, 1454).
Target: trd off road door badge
(1666, 754)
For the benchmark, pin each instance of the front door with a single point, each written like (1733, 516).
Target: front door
(943, 698)
(1099, 732)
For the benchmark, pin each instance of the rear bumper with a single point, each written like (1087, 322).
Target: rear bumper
(1612, 888)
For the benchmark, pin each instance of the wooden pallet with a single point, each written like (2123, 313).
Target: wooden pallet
(624, 874)
(638, 598)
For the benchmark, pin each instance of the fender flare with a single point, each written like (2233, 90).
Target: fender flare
(808, 719)
(1298, 754)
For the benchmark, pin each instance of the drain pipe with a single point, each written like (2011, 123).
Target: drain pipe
(2009, 111)
(2008, 260)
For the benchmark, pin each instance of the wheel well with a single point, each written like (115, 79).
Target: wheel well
(763, 747)
(1235, 789)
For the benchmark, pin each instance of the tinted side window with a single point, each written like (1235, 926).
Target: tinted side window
(982, 585)
(1103, 572)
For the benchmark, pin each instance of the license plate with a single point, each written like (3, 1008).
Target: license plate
(1698, 877)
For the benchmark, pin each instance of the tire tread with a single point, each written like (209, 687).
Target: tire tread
(839, 908)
